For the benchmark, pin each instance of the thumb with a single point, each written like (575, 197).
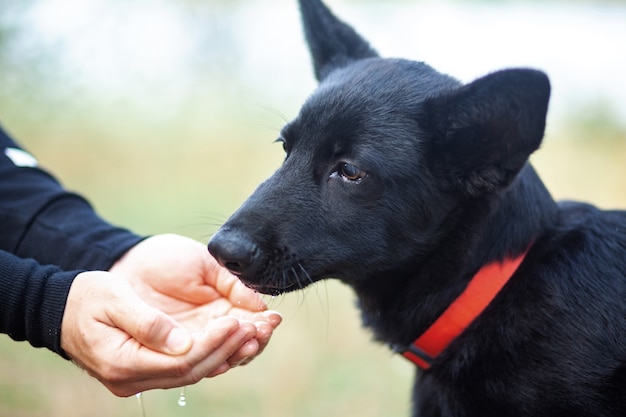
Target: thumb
(150, 326)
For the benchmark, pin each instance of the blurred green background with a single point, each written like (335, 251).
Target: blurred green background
(163, 114)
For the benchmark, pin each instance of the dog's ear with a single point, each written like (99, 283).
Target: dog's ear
(332, 43)
(484, 132)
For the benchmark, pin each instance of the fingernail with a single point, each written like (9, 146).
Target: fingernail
(274, 317)
(178, 341)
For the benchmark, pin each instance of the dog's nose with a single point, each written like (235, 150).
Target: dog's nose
(233, 250)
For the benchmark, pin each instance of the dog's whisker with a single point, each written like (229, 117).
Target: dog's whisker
(327, 308)
(304, 279)
(275, 112)
(306, 274)
(296, 278)
(298, 284)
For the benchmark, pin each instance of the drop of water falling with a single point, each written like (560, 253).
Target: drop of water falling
(182, 399)
(140, 401)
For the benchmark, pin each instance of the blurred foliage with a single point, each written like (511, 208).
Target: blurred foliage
(167, 154)
(597, 122)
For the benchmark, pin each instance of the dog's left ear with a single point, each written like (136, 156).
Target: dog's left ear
(483, 133)
(332, 43)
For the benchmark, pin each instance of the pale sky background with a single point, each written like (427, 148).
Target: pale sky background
(115, 46)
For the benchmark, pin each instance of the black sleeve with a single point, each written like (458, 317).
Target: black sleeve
(42, 221)
(32, 301)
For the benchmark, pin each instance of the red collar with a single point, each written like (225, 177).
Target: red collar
(478, 294)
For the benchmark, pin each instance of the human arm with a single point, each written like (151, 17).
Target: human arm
(107, 329)
(30, 295)
(43, 222)
(40, 219)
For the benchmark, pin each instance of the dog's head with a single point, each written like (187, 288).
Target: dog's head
(376, 161)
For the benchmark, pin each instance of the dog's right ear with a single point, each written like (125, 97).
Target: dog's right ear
(332, 43)
(484, 132)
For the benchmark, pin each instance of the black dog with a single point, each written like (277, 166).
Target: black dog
(416, 191)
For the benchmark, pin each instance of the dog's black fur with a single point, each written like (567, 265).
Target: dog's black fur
(402, 182)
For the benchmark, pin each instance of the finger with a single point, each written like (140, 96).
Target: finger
(274, 318)
(263, 334)
(149, 326)
(256, 346)
(233, 289)
(245, 353)
(150, 369)
(222, 369)
(246, 298)
(245, 333)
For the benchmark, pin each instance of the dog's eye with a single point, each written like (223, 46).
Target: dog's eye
(351, 172)
(282, 141)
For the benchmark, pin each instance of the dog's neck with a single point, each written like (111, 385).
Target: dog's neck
(490, 230)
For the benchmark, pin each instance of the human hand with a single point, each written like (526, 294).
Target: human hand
(178, 276)
(166, 315)
(109, 331)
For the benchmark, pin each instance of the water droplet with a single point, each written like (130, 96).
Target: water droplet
(182, 399)
(140, 401)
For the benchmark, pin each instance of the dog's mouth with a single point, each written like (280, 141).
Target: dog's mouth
(277, 281)
(271, 290)
(272, 282)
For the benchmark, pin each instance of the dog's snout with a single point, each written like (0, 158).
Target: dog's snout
(233, 250)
